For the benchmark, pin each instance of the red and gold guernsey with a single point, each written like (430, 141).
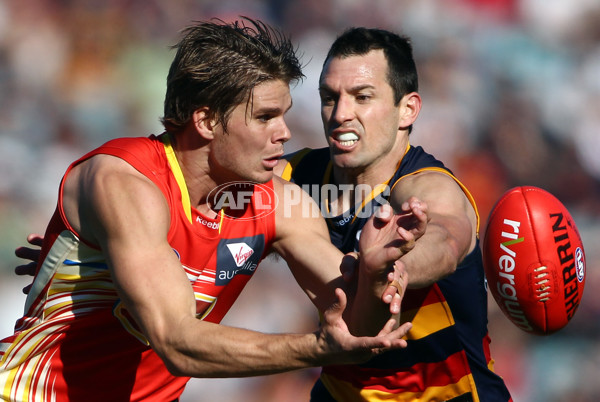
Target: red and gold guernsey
(77, 342)
(448, 356)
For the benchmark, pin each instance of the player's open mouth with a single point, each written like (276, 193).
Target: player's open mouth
(346, 139)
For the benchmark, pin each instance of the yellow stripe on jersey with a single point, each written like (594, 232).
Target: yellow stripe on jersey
(374, 193)
(8, 382)
(344, 391)
(204, 297)
(176, 169)
(428, 320)
(100, 282)
(28, 388)
(208, 310)
(118, 313)
(463, 386)
(292, 163)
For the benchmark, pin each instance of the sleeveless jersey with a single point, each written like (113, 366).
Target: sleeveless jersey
(76, 341)
(448, 355)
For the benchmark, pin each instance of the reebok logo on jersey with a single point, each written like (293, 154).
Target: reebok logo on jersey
(240, 252)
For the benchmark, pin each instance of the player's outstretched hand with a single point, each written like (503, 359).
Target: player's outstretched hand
(342, 347)
(28, 253)
(397, 280)
(413, 217)
(387, 236)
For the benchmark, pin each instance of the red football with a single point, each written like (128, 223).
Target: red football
(534, 260)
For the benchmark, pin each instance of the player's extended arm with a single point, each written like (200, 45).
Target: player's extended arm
(302, 239)
(451, 232)
(384, 240)
(414, 220)
(122, 211)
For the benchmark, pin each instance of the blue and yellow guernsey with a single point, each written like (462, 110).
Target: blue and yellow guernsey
(448, 356)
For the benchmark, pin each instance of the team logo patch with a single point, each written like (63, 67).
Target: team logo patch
(238, 256)
(240, 252)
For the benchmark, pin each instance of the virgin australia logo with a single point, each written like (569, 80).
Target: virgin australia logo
(240, 252)
(239, 256)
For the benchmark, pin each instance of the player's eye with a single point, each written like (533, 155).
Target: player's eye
(327, 98)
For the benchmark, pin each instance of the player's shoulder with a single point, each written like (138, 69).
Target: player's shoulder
(293, 201)
(427, 178)
(304, 165)
(106, 173)
(417, 157)
(290, 161)
(111, 169)
(440, 190)
(284, 189)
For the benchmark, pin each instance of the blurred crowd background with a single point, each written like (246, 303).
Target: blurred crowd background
(511, 96)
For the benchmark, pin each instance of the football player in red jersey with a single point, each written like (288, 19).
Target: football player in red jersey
(137, 268)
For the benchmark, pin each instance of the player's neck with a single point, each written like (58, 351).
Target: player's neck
(193, 158)
(371, 175)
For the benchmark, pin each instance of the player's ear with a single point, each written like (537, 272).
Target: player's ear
(410, 106)
(204, 123)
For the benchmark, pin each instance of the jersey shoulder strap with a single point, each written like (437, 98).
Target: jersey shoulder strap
(307, 166)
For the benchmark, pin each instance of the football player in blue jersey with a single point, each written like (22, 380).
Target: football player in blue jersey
(369, 104)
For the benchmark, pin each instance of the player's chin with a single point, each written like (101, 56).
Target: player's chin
(260, 175)
(264, 176)
(343, 160)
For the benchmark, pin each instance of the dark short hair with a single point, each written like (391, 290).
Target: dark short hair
(218, 64)
(402, 71)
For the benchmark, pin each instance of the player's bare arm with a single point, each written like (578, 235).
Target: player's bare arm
(415, 222)
(110, 204)
(302, 239)
(451, 231)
